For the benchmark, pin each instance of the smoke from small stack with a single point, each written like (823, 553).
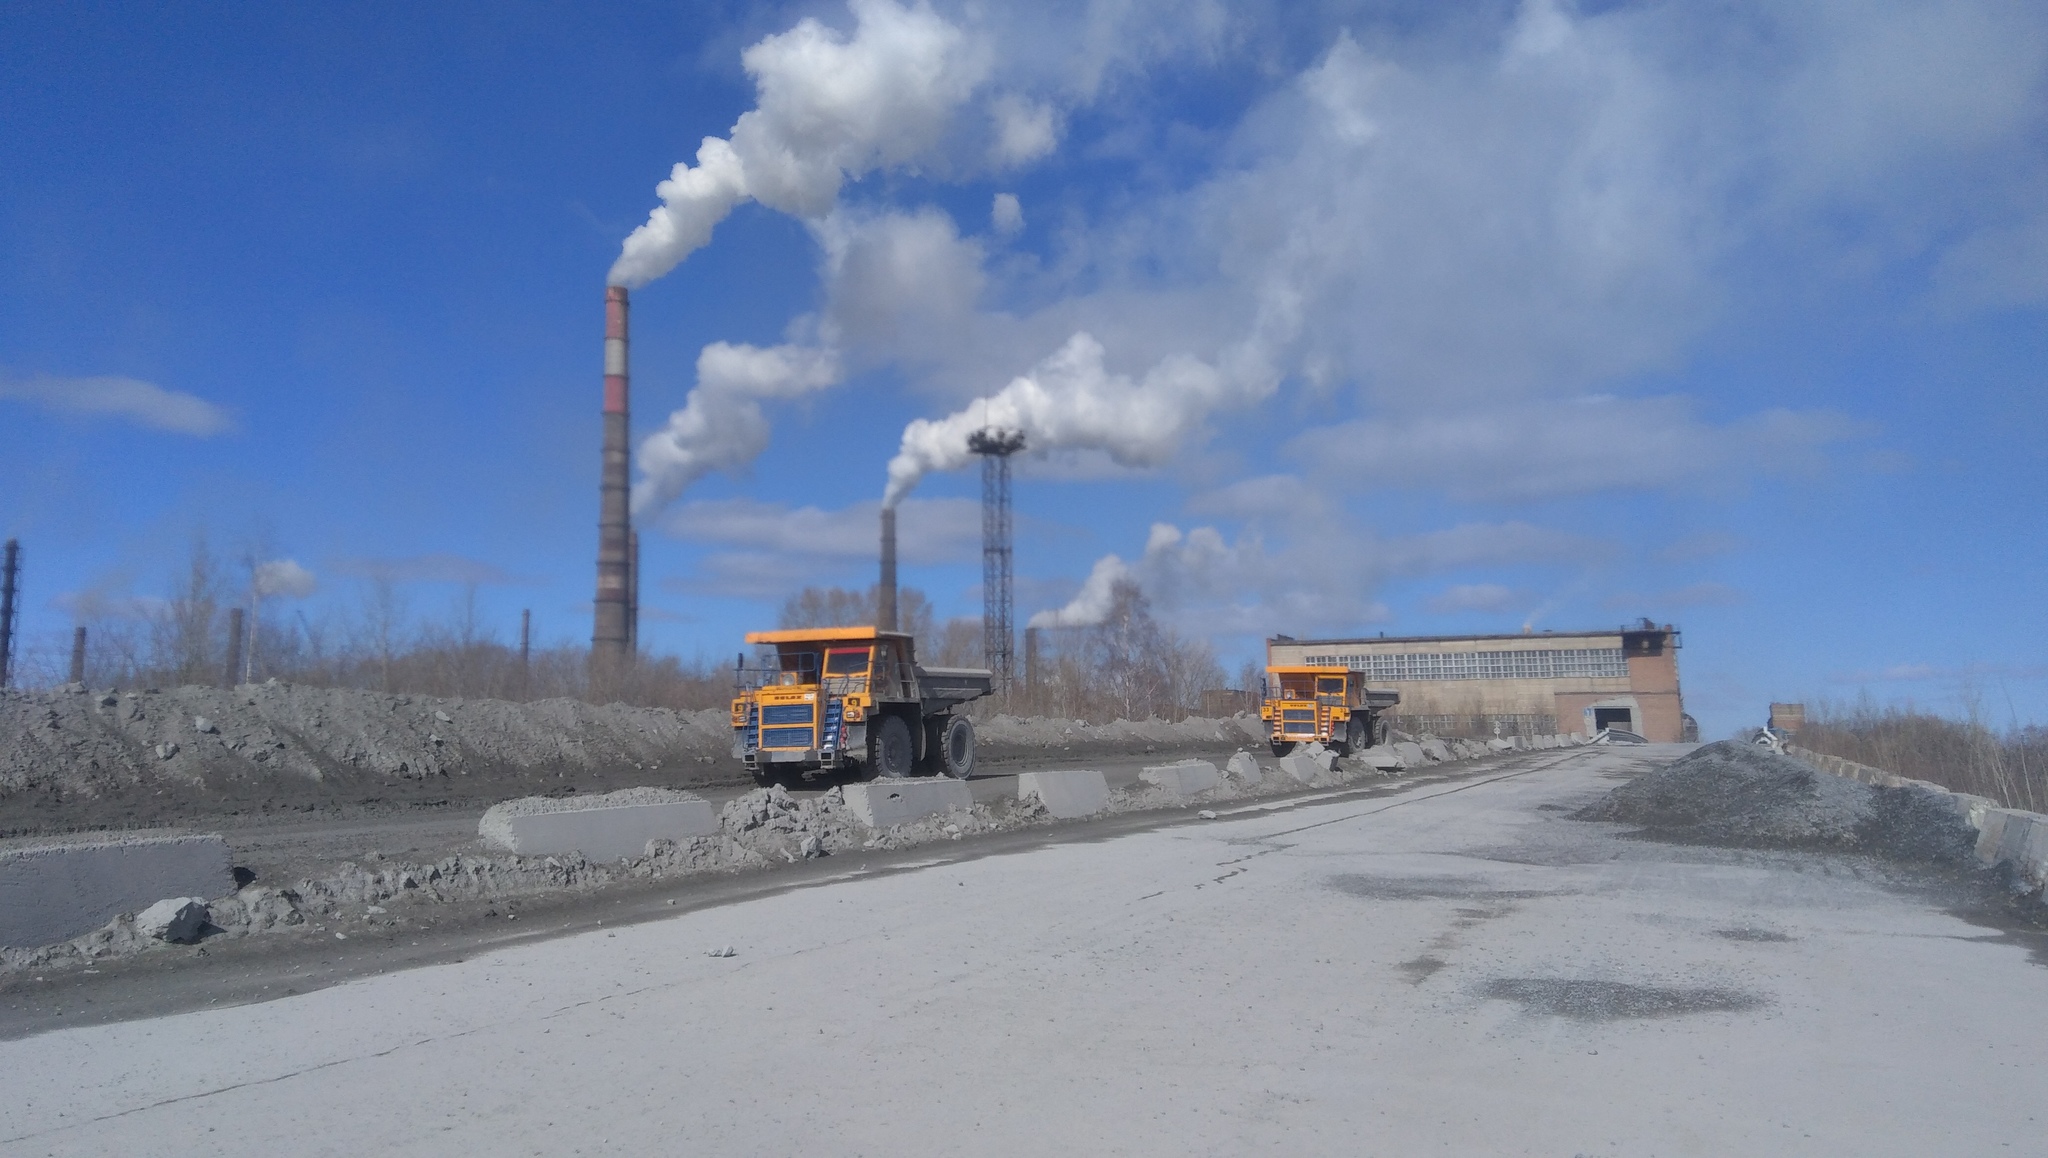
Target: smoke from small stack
(611, 636)
(1071, 401)
(885, 613)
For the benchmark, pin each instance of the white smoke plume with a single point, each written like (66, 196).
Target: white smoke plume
(1091, 604)
(1071, 401)
(829, 107)
(283, 577)
(721, 426)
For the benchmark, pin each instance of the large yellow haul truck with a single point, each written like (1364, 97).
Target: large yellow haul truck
(1330, 705)
(851, 698)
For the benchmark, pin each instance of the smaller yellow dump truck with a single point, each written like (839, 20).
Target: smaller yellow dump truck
(850, 699)
(1330, 705)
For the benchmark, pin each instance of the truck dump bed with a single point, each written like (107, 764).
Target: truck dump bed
(944, 687)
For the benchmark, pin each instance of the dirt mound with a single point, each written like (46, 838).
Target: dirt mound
(1741, 795)
(72, 759)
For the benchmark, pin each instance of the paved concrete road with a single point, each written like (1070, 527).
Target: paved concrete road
(1457, 969)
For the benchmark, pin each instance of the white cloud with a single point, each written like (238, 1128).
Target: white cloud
(284, 578)
(1024, 131)
(1492, 598)
(1577, 447)
(131, 399)
(1006, 215)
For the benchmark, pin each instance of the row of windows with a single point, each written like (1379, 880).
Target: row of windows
(1535, 664)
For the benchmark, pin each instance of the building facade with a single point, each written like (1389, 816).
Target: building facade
(1529, 684)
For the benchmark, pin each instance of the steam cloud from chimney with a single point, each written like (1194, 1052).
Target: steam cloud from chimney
(1071, 401)
(829, 107)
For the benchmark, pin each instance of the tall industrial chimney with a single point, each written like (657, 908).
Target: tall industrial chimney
(611, 633)
(885, 612)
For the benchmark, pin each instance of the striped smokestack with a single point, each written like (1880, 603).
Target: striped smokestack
(611, 636)
(885, 611)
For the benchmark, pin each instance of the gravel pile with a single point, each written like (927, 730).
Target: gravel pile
(71, 758)
(1729, 793)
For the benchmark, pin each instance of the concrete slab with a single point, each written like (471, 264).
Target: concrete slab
(52, 891)
(1990, 826)
(1434, 750)
(2025, 844)
(1383, 758)
(1245, 766)
(1302, 770)
(1183, 778)
(1499, 745)
(605, 827)
(885, 803)
(1410, 753)
(1068, 794)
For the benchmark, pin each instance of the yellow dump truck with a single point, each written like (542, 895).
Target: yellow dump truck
(850, 699)
(1330, 705)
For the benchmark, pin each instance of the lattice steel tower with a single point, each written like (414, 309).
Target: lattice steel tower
(995, 446)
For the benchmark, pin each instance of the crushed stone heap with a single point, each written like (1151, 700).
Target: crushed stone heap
(1728, 793)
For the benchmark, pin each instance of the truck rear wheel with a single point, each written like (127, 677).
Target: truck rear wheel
(892, 753)
(956, 747)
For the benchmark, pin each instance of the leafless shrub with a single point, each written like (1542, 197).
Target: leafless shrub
(1127, 666)
(1965, 755)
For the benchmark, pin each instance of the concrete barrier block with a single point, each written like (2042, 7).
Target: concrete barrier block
(1184, 777)
(1382, 757)
(884, 803)
(2025, 845)
(1990, 826)
(1499, 745)
(1245, 766)
(1067, 795)
(605, 827)
(54, 890)
(1301, 769)
(1410, 753)
(1434, 750)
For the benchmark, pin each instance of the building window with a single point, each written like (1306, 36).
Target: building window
(1531, 664)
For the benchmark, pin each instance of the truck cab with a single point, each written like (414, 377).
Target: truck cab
(839, 698)
(1329, 705)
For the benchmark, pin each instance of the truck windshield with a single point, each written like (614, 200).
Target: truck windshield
(846, 661)
(1330, 685)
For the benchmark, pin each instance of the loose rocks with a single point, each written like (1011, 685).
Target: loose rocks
(1738, 794)
(177, 920)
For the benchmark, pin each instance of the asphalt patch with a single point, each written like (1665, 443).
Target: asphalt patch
(1583, 999)
(1759, 936)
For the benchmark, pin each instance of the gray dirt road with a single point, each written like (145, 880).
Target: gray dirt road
(1448, 967)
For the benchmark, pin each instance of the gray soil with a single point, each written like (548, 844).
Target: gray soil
(73, 759)
(1740, 795)
(1585, 999)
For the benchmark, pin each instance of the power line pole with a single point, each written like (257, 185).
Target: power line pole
(10, 576)
(78, 654)
(995, 446)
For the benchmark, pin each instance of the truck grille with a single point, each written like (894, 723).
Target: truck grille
(1308, 714)
(785, 737)
(786, 714)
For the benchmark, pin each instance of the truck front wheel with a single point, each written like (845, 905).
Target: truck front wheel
(1282, 747)
(956, 747)
(892, 753)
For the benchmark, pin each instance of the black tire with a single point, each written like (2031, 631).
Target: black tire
(892, 752)
(765, 777)
(956, 747)
(1282, 747)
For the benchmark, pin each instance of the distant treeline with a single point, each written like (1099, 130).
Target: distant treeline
(1128, 666)
(1965, 755)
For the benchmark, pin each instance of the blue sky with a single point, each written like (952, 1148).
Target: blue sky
(1331, 319)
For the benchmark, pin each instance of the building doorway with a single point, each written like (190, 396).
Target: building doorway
(1620, 719)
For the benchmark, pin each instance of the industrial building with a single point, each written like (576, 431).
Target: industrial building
(1534, 683)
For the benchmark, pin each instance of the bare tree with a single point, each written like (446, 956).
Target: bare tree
(844, 607)
(183, 631)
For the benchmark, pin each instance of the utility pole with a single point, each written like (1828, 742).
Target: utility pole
(234, 656)
(10, 577)
(525, 653)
